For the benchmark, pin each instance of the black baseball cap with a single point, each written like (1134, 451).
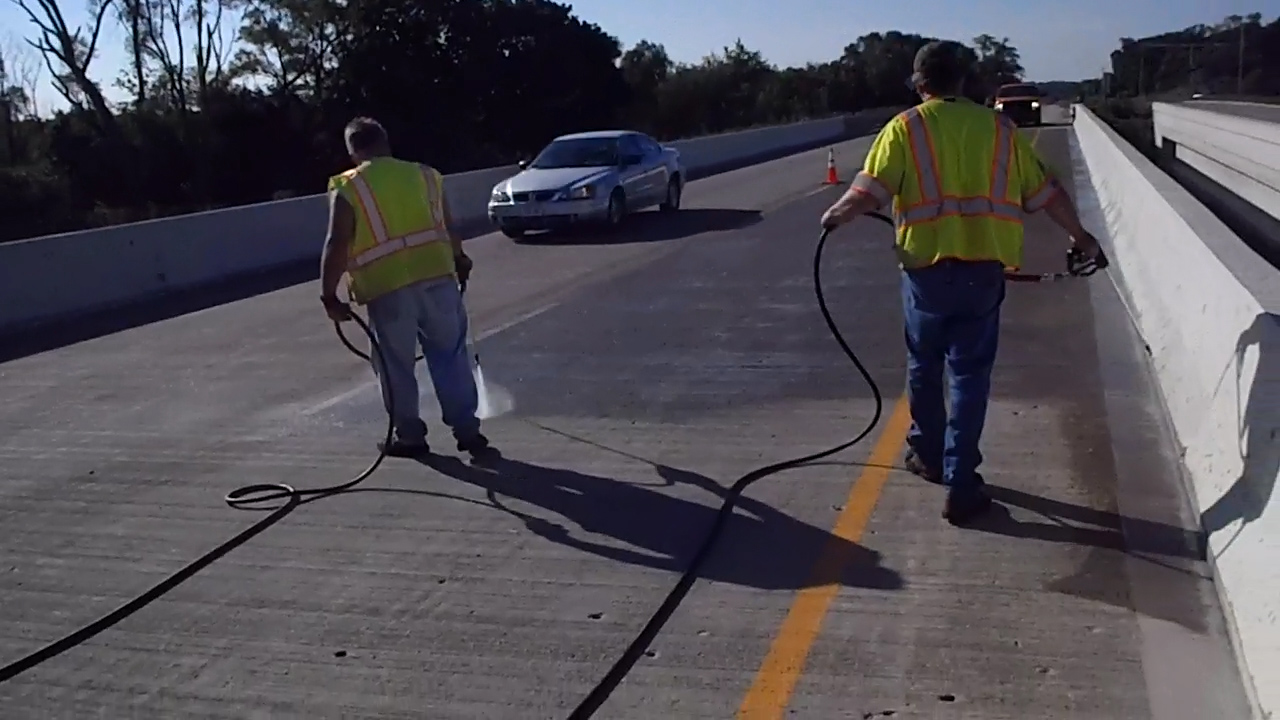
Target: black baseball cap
(940, 63)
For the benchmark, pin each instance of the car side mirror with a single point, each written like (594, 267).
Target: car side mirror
(522, 164)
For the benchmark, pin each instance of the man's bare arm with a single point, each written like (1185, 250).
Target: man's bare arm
(853, 203)
(1063, 212)
(337, 244)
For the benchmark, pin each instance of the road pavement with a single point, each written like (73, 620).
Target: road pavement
(648, 371)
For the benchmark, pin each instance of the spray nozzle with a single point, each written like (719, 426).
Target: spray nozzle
(1081, 265)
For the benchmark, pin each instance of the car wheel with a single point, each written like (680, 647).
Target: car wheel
(617, 208)
(512, 233)
(673, 195)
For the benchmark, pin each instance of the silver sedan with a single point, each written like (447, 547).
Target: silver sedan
(590, 177)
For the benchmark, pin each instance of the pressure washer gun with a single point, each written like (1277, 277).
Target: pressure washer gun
(1078, 264)
(1081, 265)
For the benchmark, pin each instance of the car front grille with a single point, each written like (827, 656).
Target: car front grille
(540, 196)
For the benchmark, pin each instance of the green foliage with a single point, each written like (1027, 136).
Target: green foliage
(1131, 119)
(1238, 56)
(461, 84)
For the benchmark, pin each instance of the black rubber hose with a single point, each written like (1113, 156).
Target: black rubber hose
(251, 495)
(256, 494)
(635, 650)
(242, 498)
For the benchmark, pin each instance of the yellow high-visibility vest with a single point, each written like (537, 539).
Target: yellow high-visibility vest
(960, 176)
(401, 236)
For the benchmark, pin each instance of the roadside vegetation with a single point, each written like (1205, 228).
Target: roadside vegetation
(1236, 59)
(229, 102)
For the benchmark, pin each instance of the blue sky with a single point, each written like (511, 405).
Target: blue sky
(1061, 40)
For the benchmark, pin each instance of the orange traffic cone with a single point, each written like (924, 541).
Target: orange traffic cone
(832, 177)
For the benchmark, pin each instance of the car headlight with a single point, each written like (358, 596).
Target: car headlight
(1035, 105)
(581, 192)
(999, 106)
(500, 196)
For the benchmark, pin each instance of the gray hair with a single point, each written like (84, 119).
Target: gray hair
(364, 134)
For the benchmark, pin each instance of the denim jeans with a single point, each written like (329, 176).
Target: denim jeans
(431, 313)
(952, 313)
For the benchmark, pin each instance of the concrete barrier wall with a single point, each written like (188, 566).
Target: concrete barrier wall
(61, 275)
(1241, 154)
(1207, 306)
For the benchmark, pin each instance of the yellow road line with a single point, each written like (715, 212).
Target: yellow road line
(778, 674)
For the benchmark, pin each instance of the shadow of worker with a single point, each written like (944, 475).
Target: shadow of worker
(1257, 425)
(762, 548)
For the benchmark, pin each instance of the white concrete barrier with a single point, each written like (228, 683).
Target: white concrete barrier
(1207, 306)
(57, 276)
(1242, 154)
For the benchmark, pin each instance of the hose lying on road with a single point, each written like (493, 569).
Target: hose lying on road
(636, 649)
(291, 498)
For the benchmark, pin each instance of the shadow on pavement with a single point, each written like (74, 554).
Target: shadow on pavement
(651, 226)
(759, 547)
(1259, 450)
(1102, 531)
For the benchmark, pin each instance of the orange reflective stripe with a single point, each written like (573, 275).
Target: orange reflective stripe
(922, 155)
(934, 204)
(871, 185)
(1041, 197)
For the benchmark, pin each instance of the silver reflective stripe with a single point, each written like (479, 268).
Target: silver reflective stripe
(958, 206)
(381, 250)
(934, 205)
(1041, 197)
(376, 224)
(870, 185)
(926, 164)
(385, 245)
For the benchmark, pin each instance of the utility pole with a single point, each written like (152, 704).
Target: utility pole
(1240, 66)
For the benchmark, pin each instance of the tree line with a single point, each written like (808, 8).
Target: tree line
(1237, 58)
(219, 116)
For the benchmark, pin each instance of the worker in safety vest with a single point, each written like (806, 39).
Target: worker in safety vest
(960, 177)
(390, 231)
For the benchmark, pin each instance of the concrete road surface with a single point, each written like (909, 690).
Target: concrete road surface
(649, 370)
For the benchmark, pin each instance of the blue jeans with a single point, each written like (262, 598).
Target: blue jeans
(952, 313)
(431, 312)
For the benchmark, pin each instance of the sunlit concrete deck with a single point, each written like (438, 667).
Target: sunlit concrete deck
(649, 371)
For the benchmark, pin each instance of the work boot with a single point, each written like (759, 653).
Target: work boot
(916, 466)
(401, 449)
(967, 504)
(477, 445)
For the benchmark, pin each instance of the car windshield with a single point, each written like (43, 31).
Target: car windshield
(578, 152)
(1018, 91)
